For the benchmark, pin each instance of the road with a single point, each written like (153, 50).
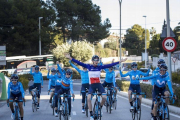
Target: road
(45, 112)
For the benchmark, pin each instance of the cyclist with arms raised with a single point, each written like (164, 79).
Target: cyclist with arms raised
(52, 79)
(160, 81)
(134, 83)
(66, 85)
(94, 79)
(15, 89)
(38, 82)
(85, 82)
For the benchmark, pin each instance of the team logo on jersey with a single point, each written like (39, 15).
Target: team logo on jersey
(160, 83)
(58, 81)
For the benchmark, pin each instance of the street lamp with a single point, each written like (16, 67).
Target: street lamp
(40, 35)
(120, 1)
(145, 56)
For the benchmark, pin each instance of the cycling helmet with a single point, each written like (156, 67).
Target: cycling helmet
(133, 64)
(164, 66)
(15, 76)
(53, 70)
(95, 57)
(69, 71)
(36, 67)
(160, 61)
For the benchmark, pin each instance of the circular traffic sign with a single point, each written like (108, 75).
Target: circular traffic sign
(169, 44)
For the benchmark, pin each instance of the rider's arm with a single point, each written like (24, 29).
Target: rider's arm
(71, 87)
(8, 91)
(114, 79)
(80, 63)
(60, 70)
(109, 65)
(49, 84)
(170, 86)
(145, 74)
(21, 89)
(123, 75)
(31, 72)
(147, 78)
(48, 75)
(75, 67)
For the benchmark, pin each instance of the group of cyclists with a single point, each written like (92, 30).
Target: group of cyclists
(60, 82)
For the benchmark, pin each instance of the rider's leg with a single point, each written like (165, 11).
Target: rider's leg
(155, 109)
(30, 89)
(20, 104)
(11, 105)
(104, 97)
(83, 98)
(69, 103)
(166, 93)
(130, 97)
(89, 102)
(152, 102)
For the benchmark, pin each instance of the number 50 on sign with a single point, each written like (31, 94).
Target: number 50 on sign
(169, 44)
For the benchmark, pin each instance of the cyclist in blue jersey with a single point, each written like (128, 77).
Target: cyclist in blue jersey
(94, 78)
(85, 82)
(160, 81)
(52, 79)
(38, 82)
(15, 89)
(66, 85)
(156, 72)
(134, 83)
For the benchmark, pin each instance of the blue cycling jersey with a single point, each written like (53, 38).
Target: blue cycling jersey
(160, 81)
(52, 80)
(15, 89)
(94, 71)
(134, 75)
(37, 77)
(84, 74)
(64, 82)
(156, 72)
(110, 76)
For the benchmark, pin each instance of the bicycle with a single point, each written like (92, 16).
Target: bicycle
(137, 105)
(65, 107)
(53, 101)
(109, 101)
(16, 106)
(34, 99)
(97, 108)
(163, 111)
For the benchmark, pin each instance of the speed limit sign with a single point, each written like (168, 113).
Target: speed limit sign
(169, 44)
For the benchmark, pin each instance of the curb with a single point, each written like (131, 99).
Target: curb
(172, 109)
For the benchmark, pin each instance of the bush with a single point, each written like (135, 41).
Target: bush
(124, 86)
(24, 79)
(175, 77)
(154, 55)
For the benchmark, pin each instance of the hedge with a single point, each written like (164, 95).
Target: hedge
(124, 86)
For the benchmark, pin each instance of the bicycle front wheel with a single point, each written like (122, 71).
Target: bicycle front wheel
(138, 109)
(166, 113)
(53, 105)
(16, 113)
(99, 111)
(33, 107)
(86, 108)
(110, 104)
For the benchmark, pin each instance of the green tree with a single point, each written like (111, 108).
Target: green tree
(80, 19)
(19, 26)
(135, 38)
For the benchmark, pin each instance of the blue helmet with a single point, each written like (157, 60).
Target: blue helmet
(164, 66)
(53, 70)
(15, 76)
(36, 67)
(95, 57)
(133, 64)
(69, 71)
(160, 61)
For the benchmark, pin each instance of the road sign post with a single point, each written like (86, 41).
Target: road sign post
(174, 60)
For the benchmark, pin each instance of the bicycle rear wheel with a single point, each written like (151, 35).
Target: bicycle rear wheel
(107, 103)
(99, 111)
(110, 104)
(33, 106)
(86, 108)
(53, 105)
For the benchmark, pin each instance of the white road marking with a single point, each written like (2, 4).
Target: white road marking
(74, 112)
(174, 115)
(71, 105)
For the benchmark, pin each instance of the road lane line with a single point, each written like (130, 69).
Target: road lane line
(71, 105)
(172, 114)
(74, 112)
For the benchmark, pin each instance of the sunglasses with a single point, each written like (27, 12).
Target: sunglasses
(134, 67)
(14, 80)
(68, 74)
(162, 70)
(96, 60)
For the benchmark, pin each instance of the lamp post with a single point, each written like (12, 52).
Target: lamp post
(120, 1)
(40, 35)
(145, 45)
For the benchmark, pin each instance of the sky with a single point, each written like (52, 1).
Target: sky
(132, 12)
